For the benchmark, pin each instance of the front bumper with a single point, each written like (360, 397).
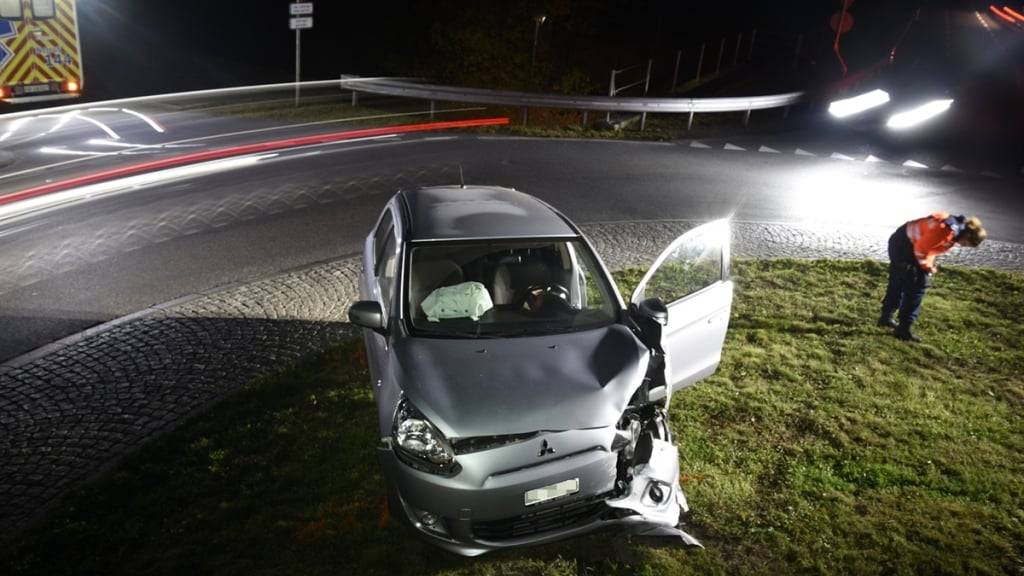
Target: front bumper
(483, 509)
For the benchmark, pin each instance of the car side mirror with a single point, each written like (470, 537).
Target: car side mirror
(654, 309)
(368, 314)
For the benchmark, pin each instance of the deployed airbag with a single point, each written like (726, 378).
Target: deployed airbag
(466, 300)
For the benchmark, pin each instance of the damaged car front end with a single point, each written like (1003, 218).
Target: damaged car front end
(537, 410)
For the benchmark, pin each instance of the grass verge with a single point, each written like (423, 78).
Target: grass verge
(822, 445)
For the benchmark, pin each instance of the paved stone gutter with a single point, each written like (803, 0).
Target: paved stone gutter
(71, 410)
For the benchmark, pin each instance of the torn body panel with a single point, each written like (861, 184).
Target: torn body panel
(648, 477)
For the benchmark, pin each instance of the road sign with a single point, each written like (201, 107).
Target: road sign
(300, 8)
(303, 23)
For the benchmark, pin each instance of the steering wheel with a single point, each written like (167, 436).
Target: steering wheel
(539, 298)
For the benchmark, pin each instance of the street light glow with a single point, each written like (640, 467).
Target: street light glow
(858, 104)
(919, 115)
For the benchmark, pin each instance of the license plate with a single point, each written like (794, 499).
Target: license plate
(552, 492)
(37, 88)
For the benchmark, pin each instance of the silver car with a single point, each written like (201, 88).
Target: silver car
(520, 400)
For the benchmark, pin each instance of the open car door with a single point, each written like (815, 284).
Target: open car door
(691, 278)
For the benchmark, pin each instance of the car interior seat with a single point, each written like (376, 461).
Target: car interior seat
(429, 275)
(512, 279)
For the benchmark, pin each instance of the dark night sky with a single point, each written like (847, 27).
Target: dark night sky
(139, 47)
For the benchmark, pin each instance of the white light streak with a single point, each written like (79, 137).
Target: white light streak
(919, 115)
(14, 126)
(66, 152)
(858, 104)
(100, 142)
(64, 119)
(121, 184)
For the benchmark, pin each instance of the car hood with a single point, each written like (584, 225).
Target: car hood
(485, 387)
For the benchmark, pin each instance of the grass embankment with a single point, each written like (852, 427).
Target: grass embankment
(822, 445)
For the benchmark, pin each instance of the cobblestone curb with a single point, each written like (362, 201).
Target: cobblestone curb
(71, 410)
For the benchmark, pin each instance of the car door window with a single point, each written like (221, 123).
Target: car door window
(386, 265)
(691, 279)
(384, 228)
(693, 262)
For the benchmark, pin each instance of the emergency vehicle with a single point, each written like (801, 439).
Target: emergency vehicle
(40, 53)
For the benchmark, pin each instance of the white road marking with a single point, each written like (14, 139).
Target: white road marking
(113, 135)
(152, 123)
(913, 164)
(802, 152)
(698, 144)
(951, 168)
(768, 150)
(838, 156)
(733, 147)
(873, 158)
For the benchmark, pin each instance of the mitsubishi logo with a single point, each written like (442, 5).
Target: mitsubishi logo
(545, 449)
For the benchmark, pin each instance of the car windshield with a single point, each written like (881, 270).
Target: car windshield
(506, 288)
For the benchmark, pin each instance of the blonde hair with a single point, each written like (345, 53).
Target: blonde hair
(974, 233)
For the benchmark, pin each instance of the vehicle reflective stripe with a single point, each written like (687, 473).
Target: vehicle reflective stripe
(11, 72)
(930, 237)
(64, 43)
(914, 230)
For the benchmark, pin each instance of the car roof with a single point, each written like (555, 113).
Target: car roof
(471, 212)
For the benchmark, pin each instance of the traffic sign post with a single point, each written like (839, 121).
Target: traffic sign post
(301, 18)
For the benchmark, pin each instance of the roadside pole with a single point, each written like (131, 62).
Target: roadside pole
(301, 18)
(298, 63)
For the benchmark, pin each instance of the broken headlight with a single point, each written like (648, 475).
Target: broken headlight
(420, 444)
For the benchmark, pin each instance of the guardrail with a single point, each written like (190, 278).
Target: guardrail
(691, 106)
(157, 98)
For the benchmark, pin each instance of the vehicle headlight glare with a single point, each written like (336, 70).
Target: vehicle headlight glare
(857, 104)
(919, 115)
(421, 442)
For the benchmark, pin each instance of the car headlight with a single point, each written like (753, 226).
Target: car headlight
(420, 444)
(857, 104)
(919, 115)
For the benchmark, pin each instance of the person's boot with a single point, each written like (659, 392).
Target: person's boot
(887, 321)
(903, 333)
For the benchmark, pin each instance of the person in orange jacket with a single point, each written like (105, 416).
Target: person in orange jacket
(912, 251)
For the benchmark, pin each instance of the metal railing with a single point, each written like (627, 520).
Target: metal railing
(691, 106)
(613, 90)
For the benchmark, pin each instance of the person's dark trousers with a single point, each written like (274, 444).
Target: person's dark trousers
(907, 281)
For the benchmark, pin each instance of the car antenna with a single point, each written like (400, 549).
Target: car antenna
(462, 181)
